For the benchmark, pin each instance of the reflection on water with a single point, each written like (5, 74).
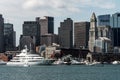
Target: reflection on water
(61, 72)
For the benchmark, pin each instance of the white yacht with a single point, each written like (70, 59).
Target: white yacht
(25, 58)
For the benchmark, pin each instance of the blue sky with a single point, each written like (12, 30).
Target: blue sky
(17, 11)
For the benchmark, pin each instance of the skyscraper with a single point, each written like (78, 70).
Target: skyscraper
(9, 36)
(104, 20)
(66, 33)
(116, 37)
(32, 29)
(81, 34)
(92, 32)
(115, 20)
(115, 24)
(1, 34)
(47, 25)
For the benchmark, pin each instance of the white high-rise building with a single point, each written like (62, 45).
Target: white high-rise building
(92, 33)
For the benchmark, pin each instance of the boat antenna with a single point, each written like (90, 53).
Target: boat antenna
(25, 46)
(30, 46)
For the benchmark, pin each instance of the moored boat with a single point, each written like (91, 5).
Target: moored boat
(2, 62)
(58, 62)
(75, 62)
(25, 57)
(115, 62)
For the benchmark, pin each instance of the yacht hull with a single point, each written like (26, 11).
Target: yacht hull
(41, 62)
(24, 63)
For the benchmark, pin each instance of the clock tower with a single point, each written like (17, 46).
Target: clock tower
(92, 33)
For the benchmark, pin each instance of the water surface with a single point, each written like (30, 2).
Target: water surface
(61, 72)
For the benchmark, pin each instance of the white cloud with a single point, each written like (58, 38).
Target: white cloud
(70, 6)
(52, 7)
(58, 3)
(30, 4)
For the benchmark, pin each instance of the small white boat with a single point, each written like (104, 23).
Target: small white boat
(58, 62)
(2, 62)
(92, 63)
(75, 62)
(115, 62)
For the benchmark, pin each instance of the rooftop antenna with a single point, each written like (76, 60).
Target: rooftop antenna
(30, 46)
(7, 20)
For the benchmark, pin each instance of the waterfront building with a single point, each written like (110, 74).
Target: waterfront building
(100, 36)
(2, 48)
(103, 45)
(3, 57)
(105, 31)
(49, 39)
(9, 37)
(104, 41)
(115, 24)
(92, 32)
(65, 32)
(74, 52)
(47, 25)
(104, 20)
(49, 51)
(81, 34)
(32, 29)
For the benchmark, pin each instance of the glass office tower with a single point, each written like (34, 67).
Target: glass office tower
(104, 20)
(115, 24)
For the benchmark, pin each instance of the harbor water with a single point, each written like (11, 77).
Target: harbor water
(60, 72)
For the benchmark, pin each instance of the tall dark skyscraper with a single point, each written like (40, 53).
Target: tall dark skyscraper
(115, 24)
(66, 33)
(81, 34)
(32, 29)
(9, 36)
(1, 34)
(116, 37)
(104, 20)
(47, 25)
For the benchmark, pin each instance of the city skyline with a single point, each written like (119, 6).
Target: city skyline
(16, 12)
